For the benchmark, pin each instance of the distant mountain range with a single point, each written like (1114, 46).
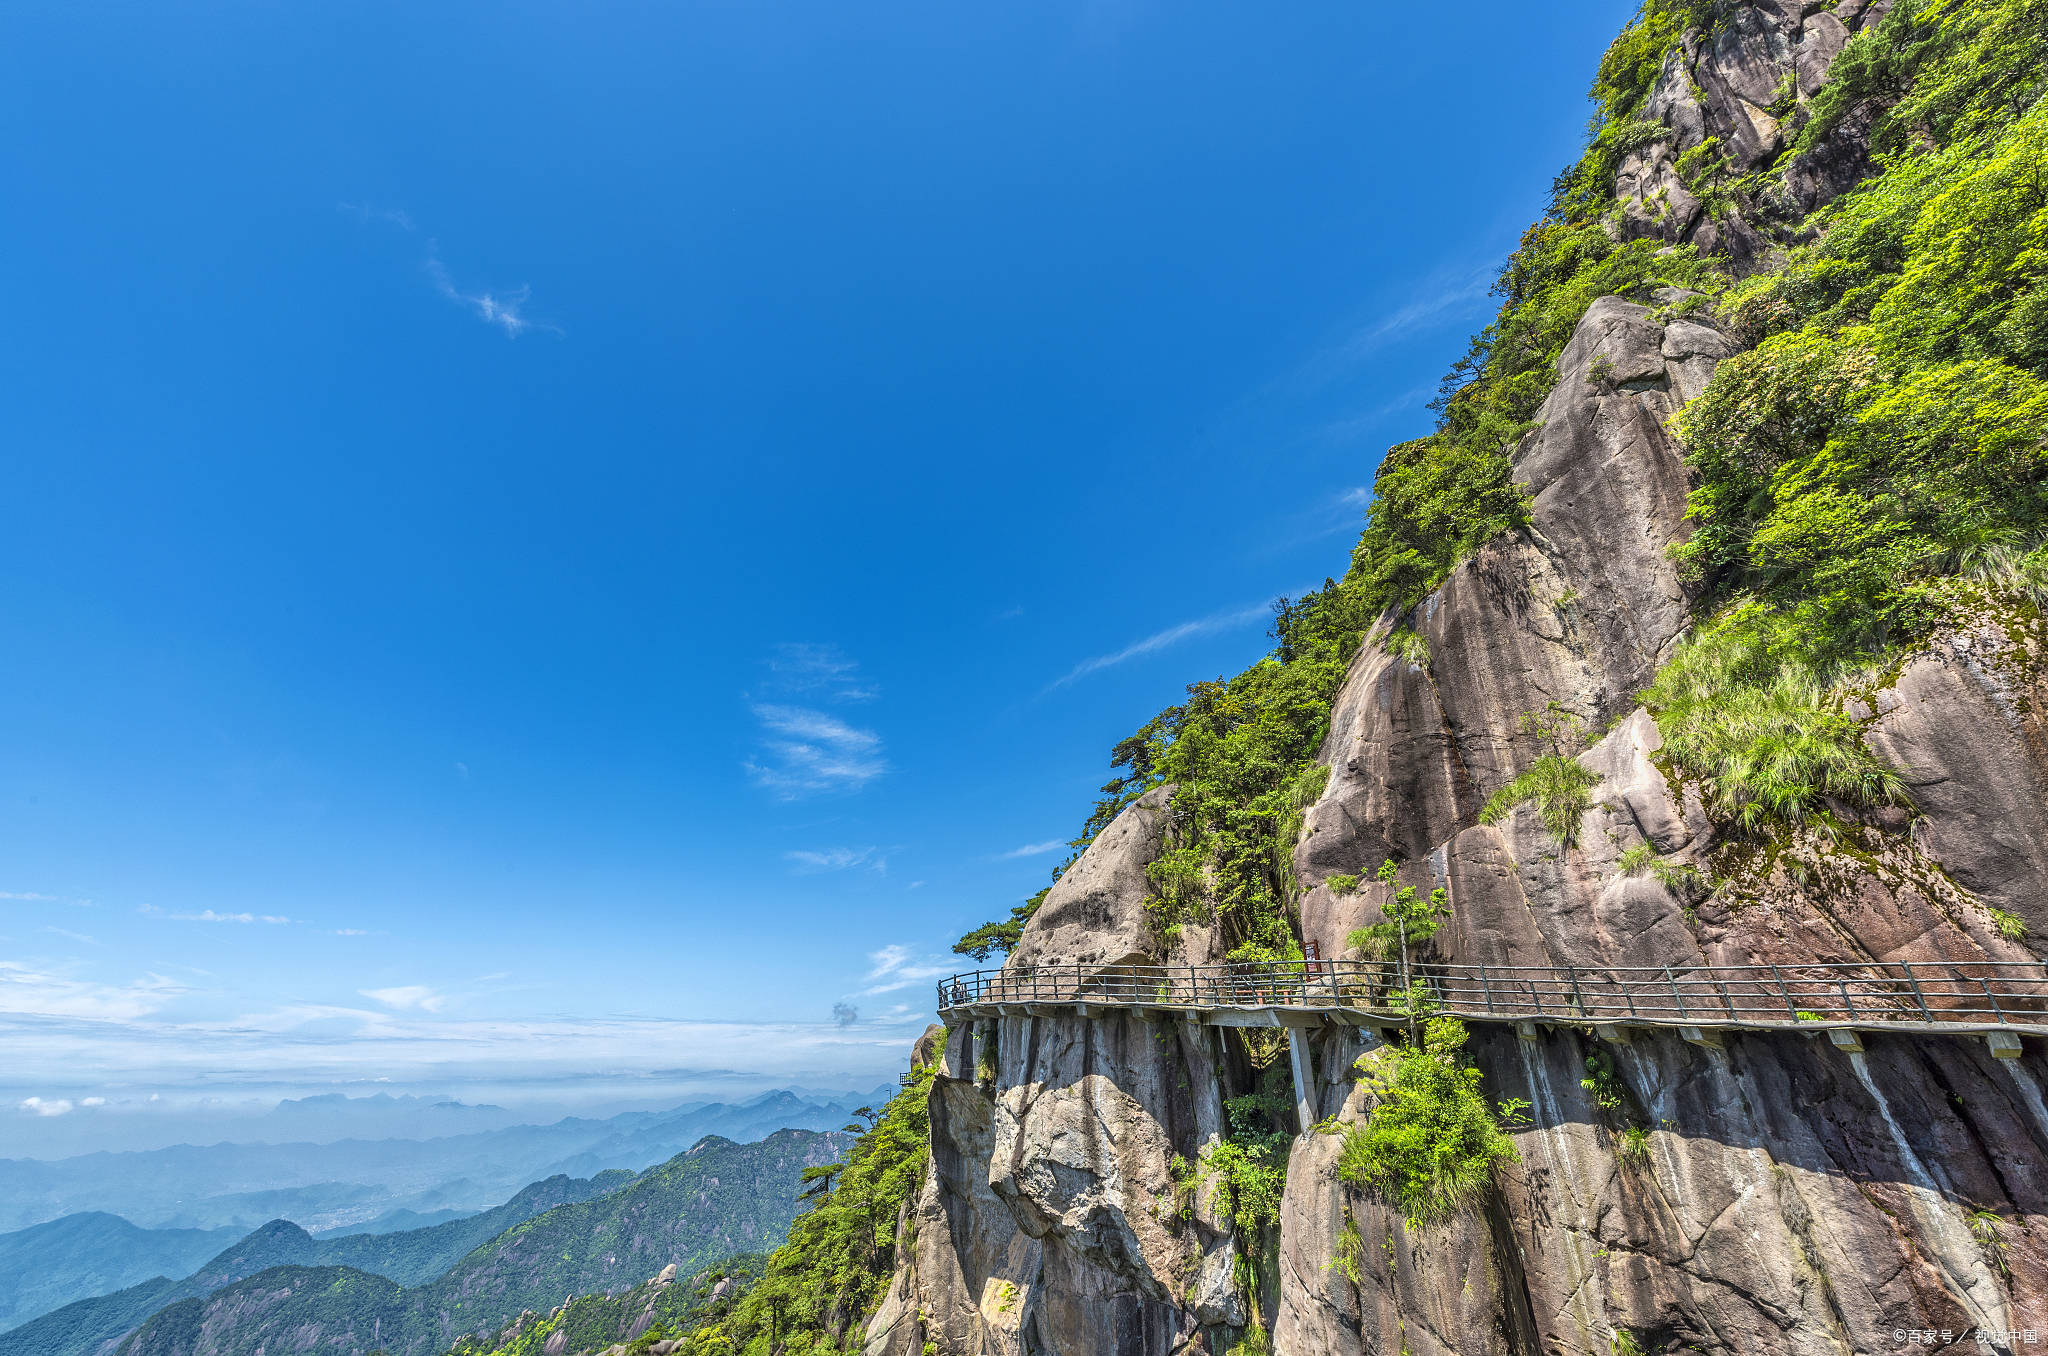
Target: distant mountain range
(352, 1183)
(718, 1199)
(50, 1265)
(407, 1258)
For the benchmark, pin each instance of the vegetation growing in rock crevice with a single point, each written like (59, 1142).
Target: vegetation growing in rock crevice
(1430, 1146)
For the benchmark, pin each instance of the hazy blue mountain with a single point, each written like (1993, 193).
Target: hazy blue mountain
(715, 1201)
(350, 1182)
(406, 1258)
(49, 1265)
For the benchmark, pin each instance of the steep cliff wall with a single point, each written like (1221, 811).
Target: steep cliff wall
(1775, 1195)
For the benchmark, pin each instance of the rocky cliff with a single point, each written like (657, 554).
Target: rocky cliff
(1775, 1195)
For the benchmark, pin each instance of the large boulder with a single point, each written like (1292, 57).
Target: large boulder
(1095, 915)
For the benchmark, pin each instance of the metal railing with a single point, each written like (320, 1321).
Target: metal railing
(1863, 993)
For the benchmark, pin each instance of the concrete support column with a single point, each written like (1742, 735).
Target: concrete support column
(1304, 1078)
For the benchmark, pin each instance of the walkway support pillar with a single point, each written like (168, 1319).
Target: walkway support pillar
(1304, 1075)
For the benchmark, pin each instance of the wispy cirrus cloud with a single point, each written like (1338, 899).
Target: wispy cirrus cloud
(816, 672)
(839, 859)
(69, 935)
(28, 896)
(897, 967)
(504, 309)
(210, 916)
(407, 996)
(27, 990)
(1032, 850)
(1160, 640)
(805, 752)
(1449, 295)
(367, 213)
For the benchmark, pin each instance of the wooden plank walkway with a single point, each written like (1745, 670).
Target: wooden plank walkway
(2001, 1001)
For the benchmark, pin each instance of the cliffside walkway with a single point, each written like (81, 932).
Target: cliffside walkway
(1999, 1000)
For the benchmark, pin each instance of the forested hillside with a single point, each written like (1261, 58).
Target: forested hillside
(714, 1201)
(49, 1265)
(408, 1257)
(813, 1293)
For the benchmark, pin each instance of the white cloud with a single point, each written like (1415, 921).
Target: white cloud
(893, 968)
(1160, 640)
(27, 991)
(407, 996)
(804, 751)
(209, 916)
(28, 895)
(1033, 849)
(51, 1106)
(1449, 295)
(839, 859)
(351, 932)
(809, 670)
(390, 216)
(324, 1045)
(502, 309)
(78, 937)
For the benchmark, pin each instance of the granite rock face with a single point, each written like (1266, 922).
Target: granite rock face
(1783, 1194)
(1731, 103)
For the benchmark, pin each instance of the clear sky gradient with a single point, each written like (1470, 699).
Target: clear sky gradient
(549, 546)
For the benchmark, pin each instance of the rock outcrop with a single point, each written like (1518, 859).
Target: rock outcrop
(1777, 1194)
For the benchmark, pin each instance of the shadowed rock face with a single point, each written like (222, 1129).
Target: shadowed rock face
(1048, 1222)
(1786, 1197)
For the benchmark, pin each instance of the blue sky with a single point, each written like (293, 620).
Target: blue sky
(551, 545)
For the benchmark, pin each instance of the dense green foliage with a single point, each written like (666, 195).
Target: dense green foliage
(818, 1290)
(1883, 449)
(1248, 1163)
(1431, 1144)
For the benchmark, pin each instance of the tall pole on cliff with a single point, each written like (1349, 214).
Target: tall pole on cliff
(1407, 989)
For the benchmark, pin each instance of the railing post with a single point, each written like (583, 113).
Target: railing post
(1572, 976)
(1721, 983)
(1842, 983)
(1996, 1011)
(1918, 997)
(1485, 989)
(1676, 997)
(1790, 1011)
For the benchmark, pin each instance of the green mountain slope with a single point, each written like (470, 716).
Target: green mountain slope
(409, 1257)
(656, 1311)
(50, 1265)
(716, 1200)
